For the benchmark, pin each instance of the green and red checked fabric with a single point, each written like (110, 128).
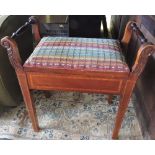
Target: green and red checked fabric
(78, 53)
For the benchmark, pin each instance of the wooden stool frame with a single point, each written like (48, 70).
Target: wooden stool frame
(114, 83)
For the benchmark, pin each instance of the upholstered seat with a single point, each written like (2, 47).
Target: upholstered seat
(86, 54)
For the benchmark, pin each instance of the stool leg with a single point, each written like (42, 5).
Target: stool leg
(122, 108)
(28, 100)
(110, 99)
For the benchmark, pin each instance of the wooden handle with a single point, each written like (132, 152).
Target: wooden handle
(11, 46)
(132, 27)
(13, 53)
(23, 28)
(145, 50)
(138, 33)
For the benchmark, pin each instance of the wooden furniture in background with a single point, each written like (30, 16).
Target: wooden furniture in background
(57, 25)
(115, 80)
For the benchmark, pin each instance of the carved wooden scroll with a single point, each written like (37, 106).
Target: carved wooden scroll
(13, 52)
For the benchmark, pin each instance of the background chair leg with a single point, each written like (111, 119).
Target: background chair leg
(28, 100)
(122, 108)
(47, 94)
(110, 99)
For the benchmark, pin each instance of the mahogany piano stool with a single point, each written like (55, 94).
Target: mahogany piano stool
(78, 64)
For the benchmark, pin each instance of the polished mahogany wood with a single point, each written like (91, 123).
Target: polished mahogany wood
(15, 60)
(28, 99)
(102, 82)
(145, 86)
(50, 81)
(125, 96)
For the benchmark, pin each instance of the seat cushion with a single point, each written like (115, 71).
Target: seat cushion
(88, 54)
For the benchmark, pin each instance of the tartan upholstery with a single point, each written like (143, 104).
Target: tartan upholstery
(88, 54)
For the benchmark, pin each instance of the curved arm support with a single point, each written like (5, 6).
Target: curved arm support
(130, 28)
(127, 34)
(144, 52)
(13, 52)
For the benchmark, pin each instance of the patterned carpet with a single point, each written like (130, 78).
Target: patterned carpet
(69, 116)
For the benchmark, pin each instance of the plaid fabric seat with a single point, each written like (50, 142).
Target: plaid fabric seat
(78, 53)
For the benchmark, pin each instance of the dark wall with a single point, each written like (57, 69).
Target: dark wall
(87, 26)
(145, 87)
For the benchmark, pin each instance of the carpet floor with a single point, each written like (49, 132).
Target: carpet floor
(69, 115)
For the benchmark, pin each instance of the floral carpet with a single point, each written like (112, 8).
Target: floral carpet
(73, 116)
